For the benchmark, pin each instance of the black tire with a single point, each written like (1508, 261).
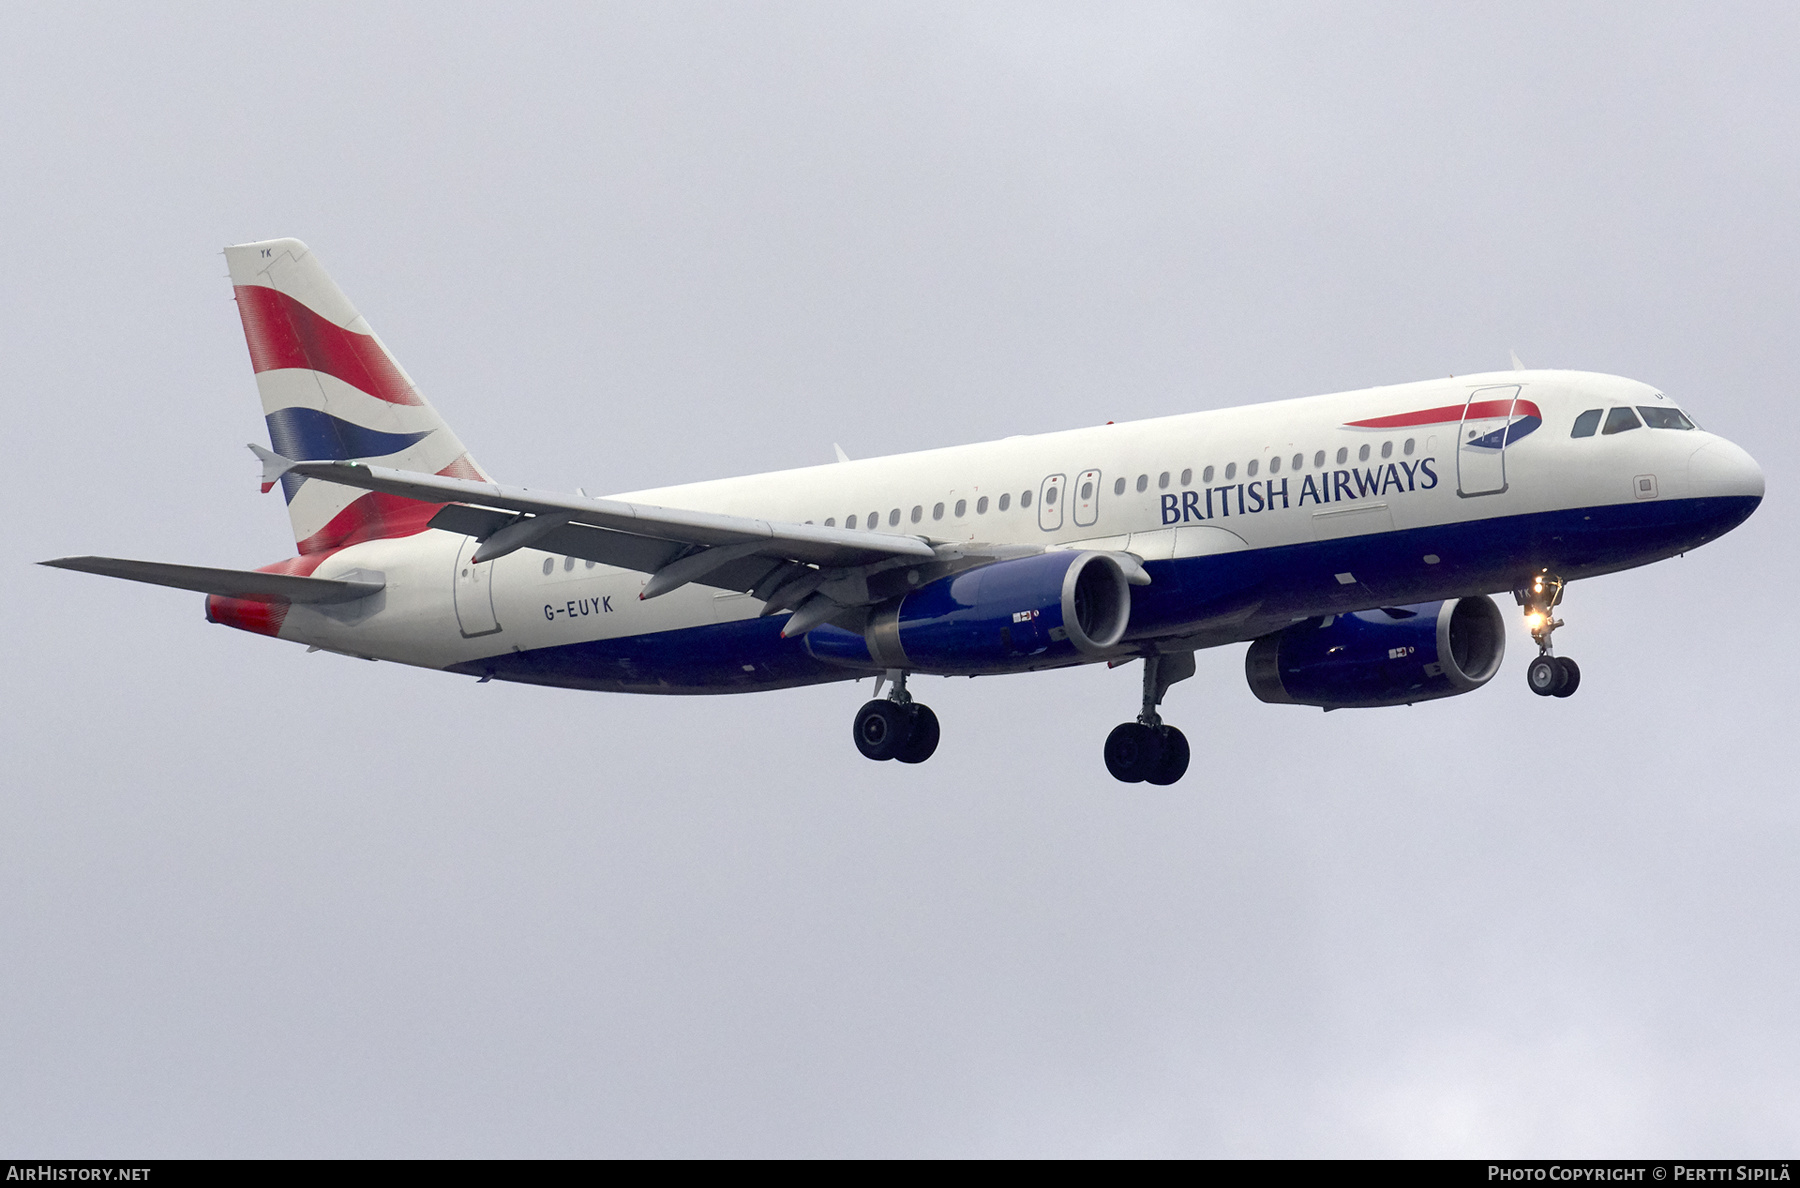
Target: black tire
(923, 739)
(1174, 762)
(882, 729)
(1571, 676)
(1133, 751)
(1546, 676)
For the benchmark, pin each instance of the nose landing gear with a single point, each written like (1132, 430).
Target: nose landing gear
(1147, 751)
(1549, 675)
(896, 727)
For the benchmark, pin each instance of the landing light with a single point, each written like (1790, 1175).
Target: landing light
(1534, 620)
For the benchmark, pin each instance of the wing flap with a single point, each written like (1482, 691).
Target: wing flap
(621, 549)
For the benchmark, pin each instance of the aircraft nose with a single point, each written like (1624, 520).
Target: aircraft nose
(1721, 468)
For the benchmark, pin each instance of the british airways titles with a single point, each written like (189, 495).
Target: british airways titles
(1335, 486)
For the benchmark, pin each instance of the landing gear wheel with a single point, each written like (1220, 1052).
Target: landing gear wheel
(1547, 676)
(923, 738)
(1134, 752)
(883, 729)
(1174, 762)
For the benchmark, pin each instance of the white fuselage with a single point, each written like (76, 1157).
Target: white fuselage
(1180, 490)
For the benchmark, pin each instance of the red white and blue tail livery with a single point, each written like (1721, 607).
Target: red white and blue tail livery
(1354, 541)
(330, 389)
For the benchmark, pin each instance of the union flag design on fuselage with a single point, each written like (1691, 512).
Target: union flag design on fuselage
(1497, 423)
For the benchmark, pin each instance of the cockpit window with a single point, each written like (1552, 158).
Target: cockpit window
(1619, 420)
(1587, 422)
(1663, 417)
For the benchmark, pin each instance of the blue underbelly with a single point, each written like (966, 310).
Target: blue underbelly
(1256, 591)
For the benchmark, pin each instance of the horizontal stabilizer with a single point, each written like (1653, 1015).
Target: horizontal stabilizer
(230, 583)
(273, 464)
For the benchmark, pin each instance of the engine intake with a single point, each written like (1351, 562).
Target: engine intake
(1394, 656)
(997, 618)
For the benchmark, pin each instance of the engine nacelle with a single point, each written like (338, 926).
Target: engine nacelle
(1394, 656)
(997, 618)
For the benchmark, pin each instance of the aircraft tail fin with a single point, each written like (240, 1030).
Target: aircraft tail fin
(332, 391)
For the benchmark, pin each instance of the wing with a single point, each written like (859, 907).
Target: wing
(785, 565)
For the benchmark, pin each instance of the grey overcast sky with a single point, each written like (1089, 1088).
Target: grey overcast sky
(258, 902)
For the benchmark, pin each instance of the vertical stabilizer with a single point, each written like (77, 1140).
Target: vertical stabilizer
(331, 391)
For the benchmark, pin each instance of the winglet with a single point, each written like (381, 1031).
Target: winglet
(274, 466)
(1517, 366)
(839, 451)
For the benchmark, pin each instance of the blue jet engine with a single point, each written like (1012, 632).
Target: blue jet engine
(1393, 656)
(1028, 612)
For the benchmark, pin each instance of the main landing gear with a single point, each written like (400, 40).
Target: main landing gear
(1147, 751)
(896, 727)
(1549, 675)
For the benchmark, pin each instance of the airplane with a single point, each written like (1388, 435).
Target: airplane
(1355, 541)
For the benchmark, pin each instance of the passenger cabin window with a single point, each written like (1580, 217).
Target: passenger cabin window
(1275, 465)
(1664, 417)
(1230, 470)
(1343, 455)
(1586, 423)
(1119, 487)
(1299, 461)
(1005, 501)
(1362, 455)
(1319, 460)
(1619, 420)
(1407, 449)
(981, 506)
(1162, 481)
(1251, 468)
(1206, 475)
(874, 520)
(937, 511)
(917, 512)
(1024, 498)
(962, 507)
(1387, 449)
(831, 521)
(1143, 482)
(850, 522)
(894, 518)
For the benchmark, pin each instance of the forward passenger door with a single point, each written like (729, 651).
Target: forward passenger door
(1481, 441)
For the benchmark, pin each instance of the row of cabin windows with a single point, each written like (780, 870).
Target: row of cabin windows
(1296, 463)
(937, 511)
(1622, 419)
(1618, 420)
